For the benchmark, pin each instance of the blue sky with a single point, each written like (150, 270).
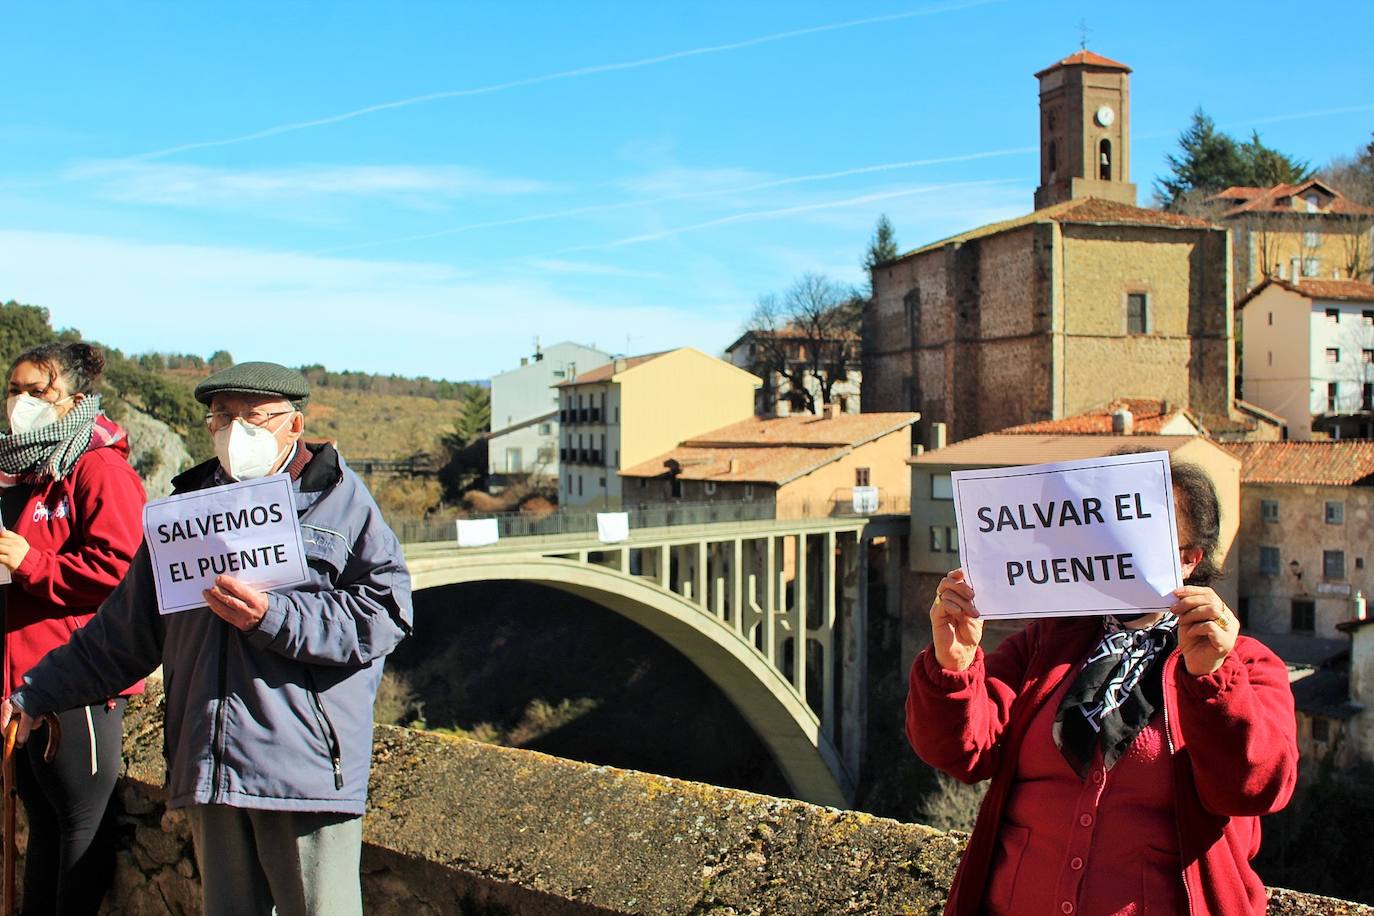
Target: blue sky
(424, 188)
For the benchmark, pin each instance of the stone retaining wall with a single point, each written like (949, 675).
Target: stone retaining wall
(458, 827)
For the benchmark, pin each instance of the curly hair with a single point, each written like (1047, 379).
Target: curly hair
(79, 364)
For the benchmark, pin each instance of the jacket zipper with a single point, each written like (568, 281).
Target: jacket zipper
(217, 746)
(1169, 740)
(335, 752)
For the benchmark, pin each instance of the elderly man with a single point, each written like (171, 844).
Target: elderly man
(268, 694)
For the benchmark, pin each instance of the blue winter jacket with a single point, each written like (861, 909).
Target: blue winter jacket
(279, 717)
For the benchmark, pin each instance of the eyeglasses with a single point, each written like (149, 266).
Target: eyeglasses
(219, 419)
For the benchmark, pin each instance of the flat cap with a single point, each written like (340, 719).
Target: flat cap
(256, 378)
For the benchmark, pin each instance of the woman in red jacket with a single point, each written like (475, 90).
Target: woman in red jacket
(72, 511)
(1130, 758)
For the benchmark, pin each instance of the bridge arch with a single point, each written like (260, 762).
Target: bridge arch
(787, 726)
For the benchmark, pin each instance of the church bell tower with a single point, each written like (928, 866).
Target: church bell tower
(1085, 137)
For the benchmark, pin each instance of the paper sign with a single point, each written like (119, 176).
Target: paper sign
(1074, 537)
(865, 500)
(612, 527)
(248, 530)
(478, 532)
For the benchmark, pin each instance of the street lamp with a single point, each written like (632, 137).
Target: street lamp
(1296, 569)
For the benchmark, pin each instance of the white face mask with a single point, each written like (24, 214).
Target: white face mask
(247, 452)
(27, 413)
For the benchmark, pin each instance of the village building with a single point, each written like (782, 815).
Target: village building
(1292, 232)
(1085, 299)
(801, 466)
(801, 372)
(622, 413)
(1307, 510)
(524, 412)
(1309, 355)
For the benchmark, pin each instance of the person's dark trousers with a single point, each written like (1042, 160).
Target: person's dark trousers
(70, 858)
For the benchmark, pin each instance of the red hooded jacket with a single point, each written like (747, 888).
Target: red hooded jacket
(1232, 736)
(83, 532)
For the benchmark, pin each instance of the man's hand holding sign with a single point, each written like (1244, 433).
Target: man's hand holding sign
(1076, 538)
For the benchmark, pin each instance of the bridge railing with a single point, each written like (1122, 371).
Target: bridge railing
(583, 521)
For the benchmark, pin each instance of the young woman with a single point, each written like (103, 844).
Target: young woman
(72, 509)
(1130, 757)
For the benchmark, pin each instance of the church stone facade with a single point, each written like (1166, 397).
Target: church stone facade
(1085, 299)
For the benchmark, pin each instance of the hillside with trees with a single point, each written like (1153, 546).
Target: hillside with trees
(436, 422)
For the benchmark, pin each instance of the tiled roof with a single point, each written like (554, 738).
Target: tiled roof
(1332, 290)
(772, 450)
(1085, 58)
(771, 465)
(1002, 450)
(1325, 693)
(605, 372)
(1330, 463)
(806, 430)
(1085, 210)
(1278, 199)
(1239, 192)
(1149, 416)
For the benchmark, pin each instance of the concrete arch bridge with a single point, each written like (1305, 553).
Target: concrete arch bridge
(734, 598)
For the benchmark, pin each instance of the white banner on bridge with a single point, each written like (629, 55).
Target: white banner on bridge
(248, 530)
(1075, 537)
(612, 527)
(478, 532)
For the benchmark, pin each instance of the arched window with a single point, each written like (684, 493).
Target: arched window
(1052, 159)
(1104, 160)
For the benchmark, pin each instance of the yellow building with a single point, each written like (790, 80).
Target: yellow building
(631, 409)
(1295, 231)
(803, 465)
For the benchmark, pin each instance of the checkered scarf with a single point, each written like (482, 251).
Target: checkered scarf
(1115, 694)
(53, 450)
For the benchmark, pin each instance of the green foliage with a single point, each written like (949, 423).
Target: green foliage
(466, 447)
(424, 387)
(883, 246)
(220, 359)
(21, 327)
(1210, 160)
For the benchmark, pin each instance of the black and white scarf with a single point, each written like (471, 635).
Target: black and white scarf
(49, 451)
(1115, 694)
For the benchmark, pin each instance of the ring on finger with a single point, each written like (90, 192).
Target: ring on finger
(1223, 622)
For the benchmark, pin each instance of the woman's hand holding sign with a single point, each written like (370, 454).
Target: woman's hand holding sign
(1207, 629)
(954, 623)
(236, 602)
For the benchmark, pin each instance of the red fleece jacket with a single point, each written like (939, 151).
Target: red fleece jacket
(83, 532)
(1232, 737)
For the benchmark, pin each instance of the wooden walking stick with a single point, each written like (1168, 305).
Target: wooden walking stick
(11, 803)
(11, 792)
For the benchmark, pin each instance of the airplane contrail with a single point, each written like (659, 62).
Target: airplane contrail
(563, 75)
(783, 211)
(686, 195)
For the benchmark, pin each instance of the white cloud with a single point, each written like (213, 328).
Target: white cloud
(192, 185)
(587, 268)
(411, 318)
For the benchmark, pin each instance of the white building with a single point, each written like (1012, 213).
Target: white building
(1309, 355)
(524, 411)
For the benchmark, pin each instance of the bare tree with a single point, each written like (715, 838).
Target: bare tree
(808, 338)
